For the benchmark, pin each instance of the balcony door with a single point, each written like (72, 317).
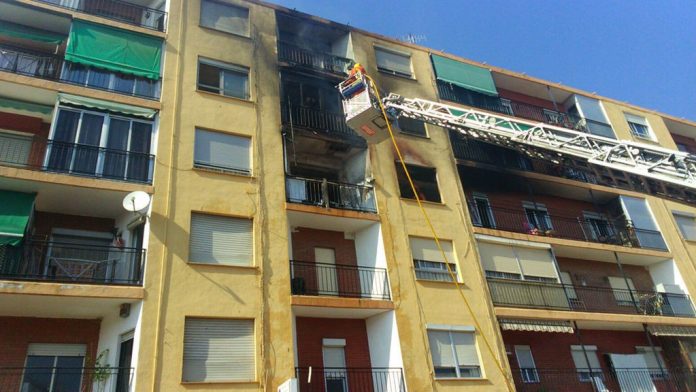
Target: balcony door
(80, 256)
(54, 367)
(125, 354)
(76, 139)
(327, 281)
(642, 222)
(127, 150)
(335, 376)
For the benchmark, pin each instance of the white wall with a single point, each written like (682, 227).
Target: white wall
(369, 249)
(385, 347)
(110, 331)
(666, 272)
(343, 47)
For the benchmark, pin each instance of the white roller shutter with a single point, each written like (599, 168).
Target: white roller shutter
(441, 349)
(426, 249)
(220, 150)
(536, 262)
(220, 240)
(219, 350)
(391, 60)
(580, 359)
(465, 347)
(500, 258)
(57, 349)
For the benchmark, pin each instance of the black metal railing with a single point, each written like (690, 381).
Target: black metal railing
(338, 280)
(65, 379)
(329, 194)
(122, 11)
(309, 58)
(316, 379)
(522, 110)
(320, 121)
(557, 296)
(541, 223)
(593, 380)
(63, 262)
(47, 66)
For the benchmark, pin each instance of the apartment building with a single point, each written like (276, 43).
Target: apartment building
(283, 251)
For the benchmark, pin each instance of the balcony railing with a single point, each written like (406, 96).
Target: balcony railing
(593, 380)
(557, 296)
(65, 379)
(579, 229)
(338, 280)
(350, 379)
(63, 262)
(309, 58)
(47, 66)
(522, 110)
(330, 194)
(320, 121)
(133, 14)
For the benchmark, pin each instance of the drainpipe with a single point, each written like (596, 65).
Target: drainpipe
(584, 353)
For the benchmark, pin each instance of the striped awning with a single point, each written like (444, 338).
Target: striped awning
(672, 330)
(536, 325)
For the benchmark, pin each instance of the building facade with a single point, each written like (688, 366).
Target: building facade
(280, 251)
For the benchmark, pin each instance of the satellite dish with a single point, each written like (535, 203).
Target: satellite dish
(136, 201)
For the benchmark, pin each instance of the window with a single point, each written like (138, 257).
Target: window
(537, 217)
(222, 151)
(686, 224)
(568, 285)
(224, 79)
(110, 80)
(454, 353)
(639, 126)
(125, 354)
(15, 147)
(683, 147)
(428, 261)
(622, 293)
(226, 17)
(517, 262)
(100, 144)
(598, 226)
(220, 240)
(481, 211)
(411, 126)
(218, 350)
(586, 372)
(646, 231)
(54, 367)
(652, 355)
(424, 180)
(525, 361)
(393, 62)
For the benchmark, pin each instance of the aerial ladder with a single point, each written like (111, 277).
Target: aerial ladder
(622, 164)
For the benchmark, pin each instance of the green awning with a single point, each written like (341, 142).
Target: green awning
(15, 210)
(114, 49)
(8, 29)
(106, 105)
(464, 75)
(9, 103)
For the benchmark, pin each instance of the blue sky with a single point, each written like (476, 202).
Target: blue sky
(638, 51)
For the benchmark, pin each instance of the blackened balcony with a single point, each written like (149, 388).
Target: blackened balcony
(541, 223)
(65, 377)
(357, 379)
(329, 194)
(319, 121)
(590, 380)
(121, 11)
(557, 296)
(40, 65)
(337, 280)
(72, 263)
(307, 58)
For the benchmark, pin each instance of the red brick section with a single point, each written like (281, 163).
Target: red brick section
(596, 273)
(687, 141)
(17, 333)
(311, 331)
(44, 222)
(32, 125)
(304, 240)
(552, 351)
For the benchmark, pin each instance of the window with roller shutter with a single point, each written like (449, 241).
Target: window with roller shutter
(220, 240)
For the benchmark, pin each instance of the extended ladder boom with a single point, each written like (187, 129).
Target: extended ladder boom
(642, 167)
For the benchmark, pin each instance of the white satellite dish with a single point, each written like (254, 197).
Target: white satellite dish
(136, 201)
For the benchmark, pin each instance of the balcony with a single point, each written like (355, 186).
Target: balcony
(541, 223)
(545, 379)
(319, 121)
(72, 263)
(62, 378)
(556, 296)
(120, 11)
(41, 65)
(312, 59)
(335, 280)
(357, 379)
(330, 194)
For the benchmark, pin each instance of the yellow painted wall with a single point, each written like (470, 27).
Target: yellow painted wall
(615, 112)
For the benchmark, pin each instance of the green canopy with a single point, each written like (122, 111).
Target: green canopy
(106, 105)
(464, 75)
(9, 103)
(114, 49)
(8, 29)
(15, 210)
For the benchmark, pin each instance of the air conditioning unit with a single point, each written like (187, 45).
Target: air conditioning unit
(290, 385)
(669, 288)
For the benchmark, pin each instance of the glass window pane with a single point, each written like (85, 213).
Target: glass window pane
(392, 61)
(98, 78)
(217, 149)
(139, 155)
(687, 226)
(225, 17)
(37, 376)
(465, 347)
(235, 84)
(124, 83)
(68, 374)
(116, 143)
(87, 151)
(61, 149)
(76, 73)
(208, 78)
